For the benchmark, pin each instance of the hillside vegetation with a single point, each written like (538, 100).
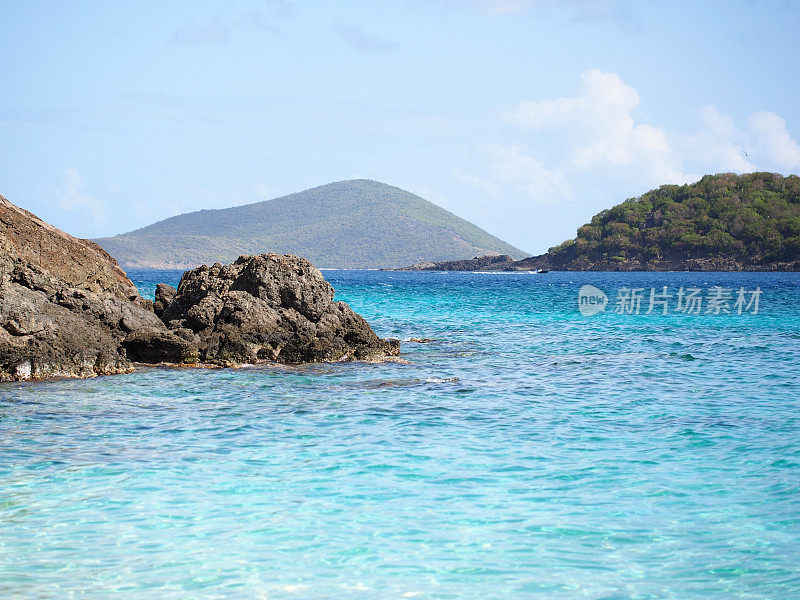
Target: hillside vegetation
(723, 222)
(348, 224)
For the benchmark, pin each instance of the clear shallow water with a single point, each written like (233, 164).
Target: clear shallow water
(528, 452)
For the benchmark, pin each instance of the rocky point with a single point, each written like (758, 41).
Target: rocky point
(68, 310)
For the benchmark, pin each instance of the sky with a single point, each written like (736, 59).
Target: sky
(525, 117)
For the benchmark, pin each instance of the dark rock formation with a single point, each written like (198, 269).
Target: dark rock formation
(68, 310)
(478, 263)
(164, 295)
(154, 345)
(269, 307)
(553, 262)
(65, 305)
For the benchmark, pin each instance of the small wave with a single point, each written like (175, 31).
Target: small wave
(440, 380)
(506, 272)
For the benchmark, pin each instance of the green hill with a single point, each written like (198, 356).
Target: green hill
(722, 222)
(348, 224)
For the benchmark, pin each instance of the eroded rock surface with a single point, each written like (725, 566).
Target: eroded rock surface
(270, 307)
(65, 305)
(164, 295)
(68, 310)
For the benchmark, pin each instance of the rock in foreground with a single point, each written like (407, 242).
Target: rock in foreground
(267, 308)
(68, 310)
(65, 305)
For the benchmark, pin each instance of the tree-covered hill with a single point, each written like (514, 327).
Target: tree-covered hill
(725, 222)
(348, 224)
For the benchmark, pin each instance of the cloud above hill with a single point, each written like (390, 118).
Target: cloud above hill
(72, 197)
(599, 132)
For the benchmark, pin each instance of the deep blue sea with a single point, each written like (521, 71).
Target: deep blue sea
(528, 451)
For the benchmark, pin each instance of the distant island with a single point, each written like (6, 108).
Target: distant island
(723, 222)
(489, 262)
(357, 224)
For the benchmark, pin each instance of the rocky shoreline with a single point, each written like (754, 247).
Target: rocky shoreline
(68, 310)
(546, 262)
(479, 263)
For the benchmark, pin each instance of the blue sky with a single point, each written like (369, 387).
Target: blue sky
(523, 116)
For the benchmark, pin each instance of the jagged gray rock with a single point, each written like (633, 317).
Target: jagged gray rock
(155, 345)
(270, 307)
(68, 310)
(164, 295)
(65, 305)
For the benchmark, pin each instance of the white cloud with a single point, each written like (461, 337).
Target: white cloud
(772, 140)
(717, 145)
(600, 126)
(716, 123)
(71, 197)
(594, 144)
(599, 92)
(512, 167)
(475, 181)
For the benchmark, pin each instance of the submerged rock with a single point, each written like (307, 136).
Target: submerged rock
(270, 307)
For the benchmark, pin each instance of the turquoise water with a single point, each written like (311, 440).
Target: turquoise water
(527, 452)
